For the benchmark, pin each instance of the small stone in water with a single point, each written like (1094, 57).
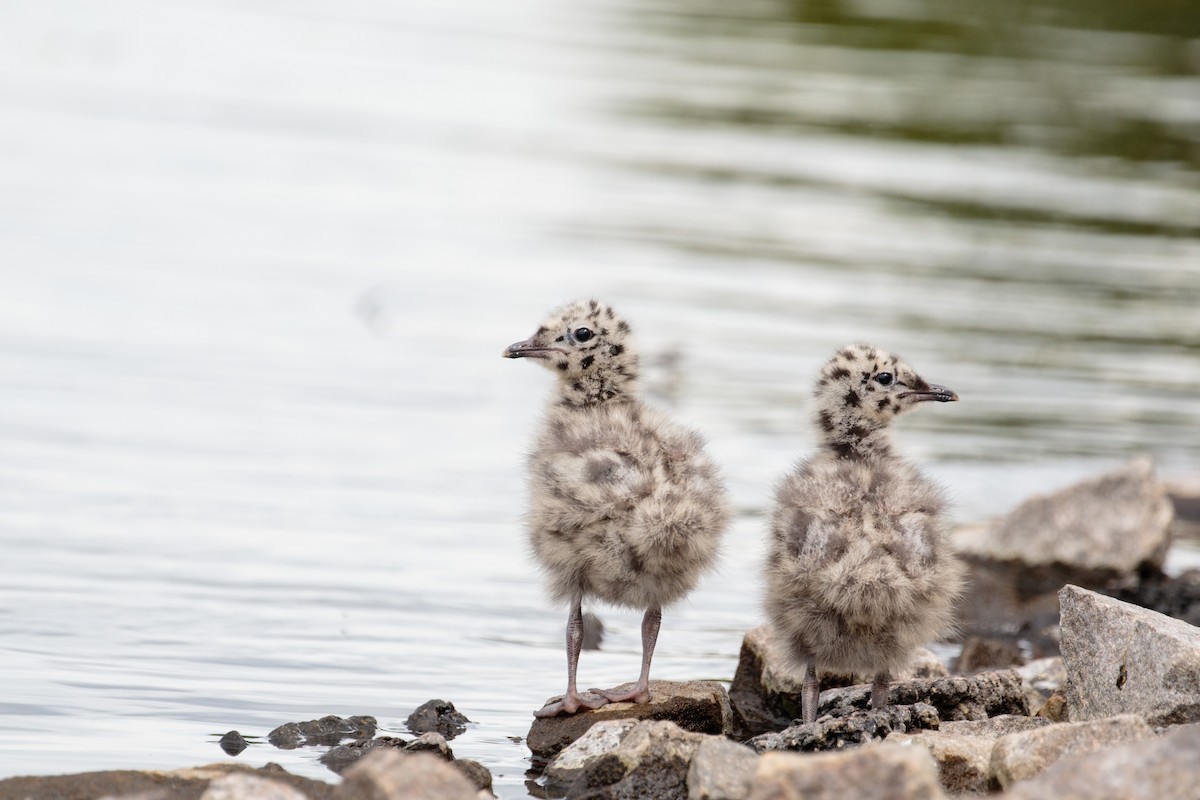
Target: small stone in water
(233, 743)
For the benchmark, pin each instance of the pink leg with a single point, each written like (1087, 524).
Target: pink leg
(572, 701)
(641, 690)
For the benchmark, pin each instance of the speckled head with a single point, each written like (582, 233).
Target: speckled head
(861, 390)
(589, 347)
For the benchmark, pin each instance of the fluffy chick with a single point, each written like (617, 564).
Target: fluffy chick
(626, 506)
(860, 571)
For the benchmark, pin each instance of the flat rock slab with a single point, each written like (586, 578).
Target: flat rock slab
(886, 772)
(765, 693)
(1150, 769)
(1122, 659)
(696, 706)
(957, 697)
(835, 733)
(183, 784)
(1020, 756)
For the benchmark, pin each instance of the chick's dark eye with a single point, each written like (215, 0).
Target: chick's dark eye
(884, 379)
(583, 334)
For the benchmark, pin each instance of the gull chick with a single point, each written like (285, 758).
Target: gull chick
(860, 571)
(627, 507)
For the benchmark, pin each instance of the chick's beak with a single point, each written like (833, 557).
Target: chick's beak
(937, 393)
(527, 349)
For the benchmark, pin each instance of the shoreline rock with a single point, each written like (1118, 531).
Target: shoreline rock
(1123, 659)
(695, 706)
(765, 693)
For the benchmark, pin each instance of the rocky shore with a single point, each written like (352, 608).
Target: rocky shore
(1079, 677)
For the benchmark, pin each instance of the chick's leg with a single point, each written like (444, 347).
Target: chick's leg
(572, 701)
(640, 693)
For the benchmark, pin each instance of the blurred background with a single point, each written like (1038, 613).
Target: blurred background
(262, 460)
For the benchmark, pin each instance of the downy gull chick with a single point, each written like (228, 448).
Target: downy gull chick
(627, 507)
(860, 571)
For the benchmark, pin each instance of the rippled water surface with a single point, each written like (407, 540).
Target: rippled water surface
(261, 459)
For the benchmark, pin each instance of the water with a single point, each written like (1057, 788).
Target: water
(261, 458)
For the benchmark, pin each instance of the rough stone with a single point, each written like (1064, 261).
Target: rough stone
(1149, 769)
(1122, 659)
(721, 770)
(1019, 756)
(987, 694)
(430, 742)
(1098, 531)
(697, 706)
(386, 774)
(239, 786)
(329, 730)
(885, 772)
(963, 750)
(184, 784)
(834, 733)
(601, 738)
(651, 760)
(765, 693)
(437, 716)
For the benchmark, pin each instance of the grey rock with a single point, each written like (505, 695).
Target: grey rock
(886, 772)
(765, 693)
(957, 697)
(1020, 756)
(1149, 769)
(1093, 533)
(233, 743)
(651, 760)
(329, 730)
(438, 716)
(1106, 526)
(602, 737)
(1124, 659)
(697, 706)
(963, 750)
(859, 727)
(430, 742)
(721, 770)
(386, 774)
(240, 786)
